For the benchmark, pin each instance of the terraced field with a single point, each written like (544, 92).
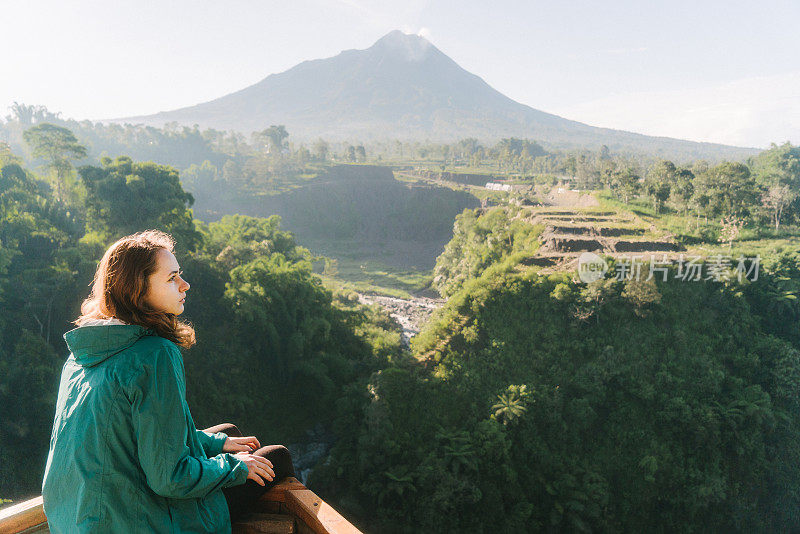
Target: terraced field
(570, 232)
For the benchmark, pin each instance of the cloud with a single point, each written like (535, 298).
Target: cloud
(388, 13)
(409, 29)
(594, 55)
(625, 51)
(748, 112)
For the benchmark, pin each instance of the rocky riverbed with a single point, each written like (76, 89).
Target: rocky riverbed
(411, 314)
(307, 453)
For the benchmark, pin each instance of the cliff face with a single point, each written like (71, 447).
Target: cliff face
(360, 204)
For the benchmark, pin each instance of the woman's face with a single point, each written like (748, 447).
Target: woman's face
(166, 290)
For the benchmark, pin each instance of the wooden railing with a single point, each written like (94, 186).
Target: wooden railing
(313, 514)
(288, 498)
(22, 516)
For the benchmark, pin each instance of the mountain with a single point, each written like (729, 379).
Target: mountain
(404, 87)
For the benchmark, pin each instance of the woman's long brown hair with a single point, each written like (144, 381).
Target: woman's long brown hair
(120, 285)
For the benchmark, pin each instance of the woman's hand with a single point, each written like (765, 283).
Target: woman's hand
(246, 444)
(258, 469)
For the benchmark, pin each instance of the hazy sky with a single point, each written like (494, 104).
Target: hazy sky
(721, 71)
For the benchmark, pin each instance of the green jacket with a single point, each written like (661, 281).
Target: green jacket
(125, 455)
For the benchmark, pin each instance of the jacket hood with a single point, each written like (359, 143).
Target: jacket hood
(93, 344)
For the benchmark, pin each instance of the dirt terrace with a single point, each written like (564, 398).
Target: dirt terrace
(570, 232)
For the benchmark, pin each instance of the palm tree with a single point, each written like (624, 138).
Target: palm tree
(460, 454)
(399, 482)
(458, 450)
(508, 408)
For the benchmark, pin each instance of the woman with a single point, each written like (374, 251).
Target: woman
(125, 455)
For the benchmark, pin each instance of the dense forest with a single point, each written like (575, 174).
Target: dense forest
(530, 402)
(670, 408)
(265, 323)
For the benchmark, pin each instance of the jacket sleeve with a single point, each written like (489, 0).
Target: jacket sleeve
(160, 428)
(212, 443)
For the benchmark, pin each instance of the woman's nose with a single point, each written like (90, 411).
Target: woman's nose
(185, 285)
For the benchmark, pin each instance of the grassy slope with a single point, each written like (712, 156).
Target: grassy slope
(700, 237)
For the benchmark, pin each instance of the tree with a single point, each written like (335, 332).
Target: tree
(459, 452)
(658, 183)
(275, 136)
(642, 295)
(682, 189)
(231, 172)
(726, 189)
(731, 228)
(45, 269)
(570, 165)
(28, 115)
(777, 171)
(42, 274)
(360, 154)
(202, 178)
(7, 156)
(510, 405)
(28, 370)
(397, 483)
(280, 307)
(624, 183)
(780, 165)
(465, 148)
(302, 156)
(513, 146)
(776, 199)
(124, 197)
(57, 146)
(321, 150)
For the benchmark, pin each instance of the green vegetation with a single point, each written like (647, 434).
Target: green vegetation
(369, 276)
(265, 323)
(57, 146)
(557, 406)
(530, 402)
(553, 405)
(498, 239)
(123, 197)
(270, 172)
(381, 231)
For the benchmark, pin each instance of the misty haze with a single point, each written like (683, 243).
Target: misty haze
(478, 268)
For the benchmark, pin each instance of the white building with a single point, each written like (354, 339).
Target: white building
(492, 186)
